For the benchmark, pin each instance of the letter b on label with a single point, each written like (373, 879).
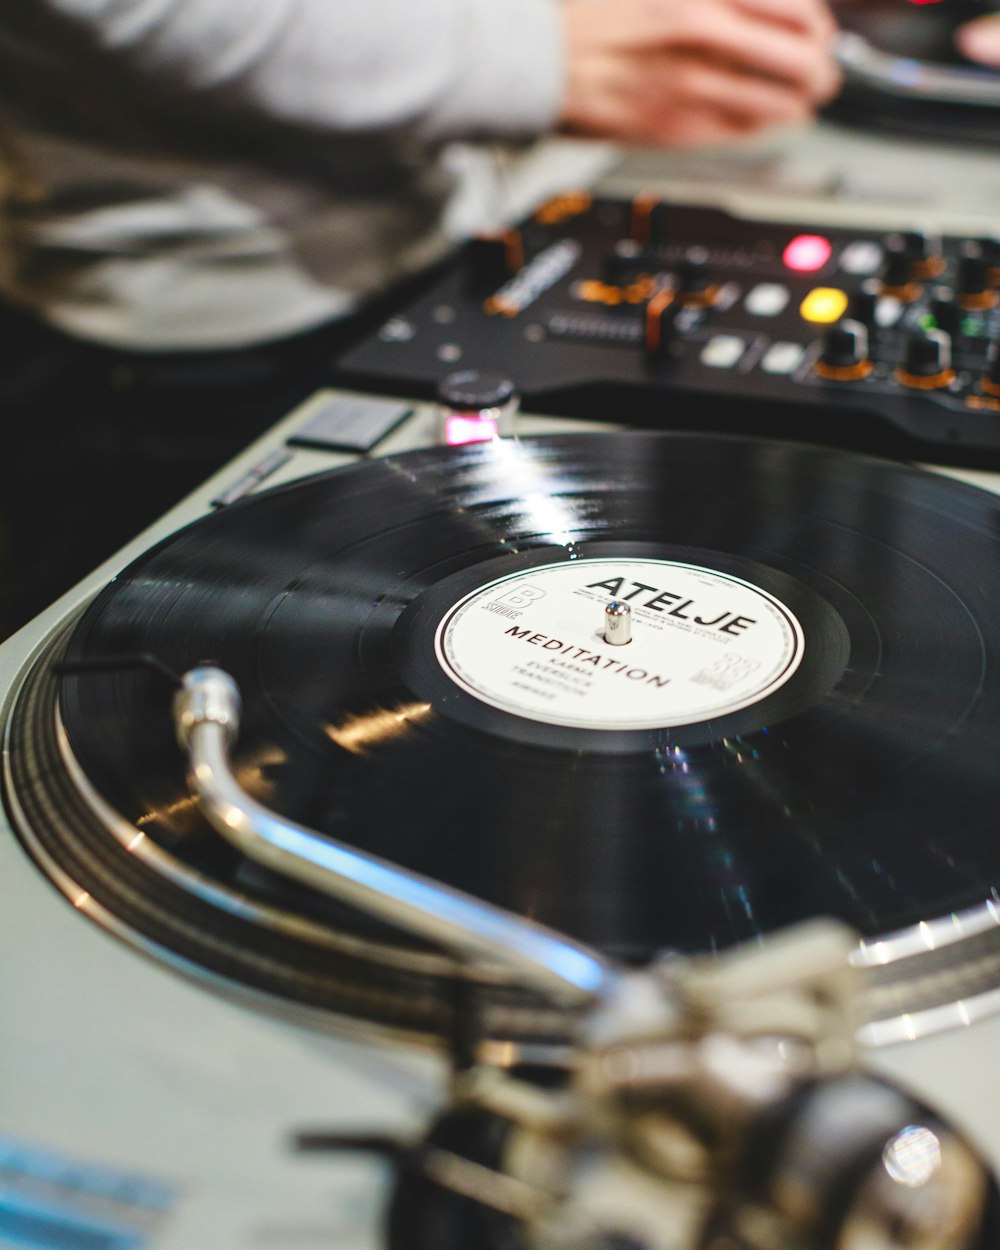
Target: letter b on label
(522, 596)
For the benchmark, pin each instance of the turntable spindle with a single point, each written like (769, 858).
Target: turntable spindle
(617, 623)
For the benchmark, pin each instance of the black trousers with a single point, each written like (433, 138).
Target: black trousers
(96, 444)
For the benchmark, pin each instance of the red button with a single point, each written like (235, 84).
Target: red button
(807, 252)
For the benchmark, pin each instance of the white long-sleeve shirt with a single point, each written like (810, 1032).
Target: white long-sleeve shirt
(208, 173)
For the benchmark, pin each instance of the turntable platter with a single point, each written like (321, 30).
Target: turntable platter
(806, 721)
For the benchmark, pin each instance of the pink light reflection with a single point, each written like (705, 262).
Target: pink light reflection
(459, 430)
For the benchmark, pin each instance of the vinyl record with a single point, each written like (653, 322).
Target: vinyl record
(806, 721)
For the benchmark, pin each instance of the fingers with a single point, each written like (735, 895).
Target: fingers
(980, 40)
(725, 32)
(682, 100)
(747, 100)
(685, 71)
(813, 17)
(762, 37)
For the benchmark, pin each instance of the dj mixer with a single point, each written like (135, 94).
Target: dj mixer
(675, 315)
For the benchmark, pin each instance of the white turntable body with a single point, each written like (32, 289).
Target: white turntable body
(143, 1106)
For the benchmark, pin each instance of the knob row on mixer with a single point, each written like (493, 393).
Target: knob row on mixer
(976, 274)
(859, 335)
(910, 306)
(926, 363)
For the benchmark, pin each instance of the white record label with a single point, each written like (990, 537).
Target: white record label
(703, 644)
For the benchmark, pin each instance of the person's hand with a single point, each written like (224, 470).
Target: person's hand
(979, 40)
(685, 72)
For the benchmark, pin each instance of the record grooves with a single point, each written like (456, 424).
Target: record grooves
(417, 643)
(128, 893)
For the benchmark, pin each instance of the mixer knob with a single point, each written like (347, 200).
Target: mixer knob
(989, 245)
(972, 279)
(694, 281)
(898, 271)
(947, 315)
(493, 258)
(928, 352)
(846, 344)
(623, 264)
(692, 274)
(845, 352)
(863, 307)
(896, 265)
(991, 378)
(475, 407)
(924, 251)
(927, 363)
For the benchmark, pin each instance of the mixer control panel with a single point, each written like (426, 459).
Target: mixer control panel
(656, 313)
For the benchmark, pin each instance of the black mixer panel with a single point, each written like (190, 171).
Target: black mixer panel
(653, 313)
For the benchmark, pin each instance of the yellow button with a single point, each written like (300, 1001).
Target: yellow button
(824, 304)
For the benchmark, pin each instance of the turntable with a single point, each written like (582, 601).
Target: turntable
(803, 723)
(204, 1047)
(904, 72)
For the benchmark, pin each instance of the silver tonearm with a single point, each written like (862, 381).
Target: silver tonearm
(712, 1103)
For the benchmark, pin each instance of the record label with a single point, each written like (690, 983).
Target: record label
(703, 644)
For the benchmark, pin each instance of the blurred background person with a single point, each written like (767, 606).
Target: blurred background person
(200, 198)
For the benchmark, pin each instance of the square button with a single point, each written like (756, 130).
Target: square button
(861, 257)
(722, 351)
(783, 357)
(824, 305)
(767, 299)
(352, 423)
